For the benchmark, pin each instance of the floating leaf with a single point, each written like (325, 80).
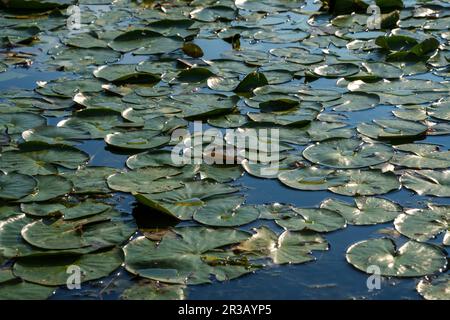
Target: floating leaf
(289, 247)
(187, 255)
(183, 203)
(347, 153)
(252, 81)
(427, 182)
(136, 140)
(365, 210)
(49, 187)
(392, 129)
(14, 186)
(424, 224)
(25, 291)
(366, 183)
(413, 259)
(226, 212)
(436, 289)
(319, 220)
(154, 290)
(421, 156)
(20, 121)
(312, 178)
(52, 271)
(145, 180)
(42, 160)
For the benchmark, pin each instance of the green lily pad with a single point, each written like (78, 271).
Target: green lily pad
(38, 5)
(355, 101)
(413, 259)
(226, 212)
(124, 73)
(83, 209)
(440, 110)
(21, 121)
(49, 187)
(194, 75)
(90, 179)
(52, 271)
(289, 247)
(228, 121)
(364, 210)
(366, 183)
(436, 289)
(42, 209)
(154, 290)
(192, 50)
(421, 156)
(297, 117)
(25, 291)
(136, 140)
(222, 84)
(424, 224)
(319, 220)
(347, 153)
(312, 178)
(189, 255)
(12, 245)
(427, 182)
(184, 202)
(97, 232)
(336, 70)
(85, 40)
(392, 129)
(54, 135)
(145, 180)
(252, 81)
(14, 186)
(134, 39)
(42, 160)
(151, 158)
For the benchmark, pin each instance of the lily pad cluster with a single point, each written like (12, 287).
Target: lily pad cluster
(129, 85)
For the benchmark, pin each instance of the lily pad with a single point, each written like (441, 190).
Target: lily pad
(187, 255)
(436, 289)
(252, 81)
(97, 232)
(364, 210)
(145, 180)
(366, 183)
(49, 187)
(124, 73)
(25, 291)
(42, 160)
(427, 182)
(424, 224)
(392, 129)
(90, 179)
(21, 121)
(347, 153)
(52, 271)
(136, 140)
(421, 156)
(184, 202)
(289, 247)
(226, 212)
(319, 220)
(413, 259)
(312, 178)
(14, 186)
(154, 290)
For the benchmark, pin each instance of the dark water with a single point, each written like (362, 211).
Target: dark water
(329, 277)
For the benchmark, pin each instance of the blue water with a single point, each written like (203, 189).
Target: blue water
(329, 277)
